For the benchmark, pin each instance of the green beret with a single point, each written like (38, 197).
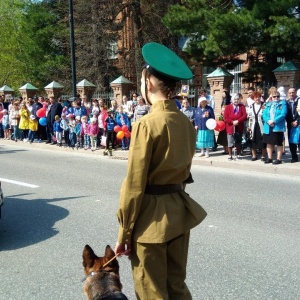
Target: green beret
(164, 61)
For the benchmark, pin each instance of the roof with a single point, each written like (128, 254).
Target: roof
(121, 79)
(54, 85)
(85, 83)
(288, 66)
(220, 72)
(28, 86)
(6, 88)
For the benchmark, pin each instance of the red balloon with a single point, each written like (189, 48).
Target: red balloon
(127, 134)
(41, 113)
(220, 125)
(117, 128)
(120, 135)
(217, 128)
(125, 128)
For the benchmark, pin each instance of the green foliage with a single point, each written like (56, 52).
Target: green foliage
(221, 30)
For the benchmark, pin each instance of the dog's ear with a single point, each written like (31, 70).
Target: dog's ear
(88, 256)
(109, 253)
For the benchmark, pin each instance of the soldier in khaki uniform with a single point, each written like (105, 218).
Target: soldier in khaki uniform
(155, 214)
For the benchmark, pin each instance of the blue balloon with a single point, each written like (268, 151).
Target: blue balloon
(43, 121)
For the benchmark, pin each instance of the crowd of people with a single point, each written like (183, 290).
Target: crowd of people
(256, 123)
(77, 124)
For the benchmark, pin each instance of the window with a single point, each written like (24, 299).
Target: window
(237, 80)
(112, 50)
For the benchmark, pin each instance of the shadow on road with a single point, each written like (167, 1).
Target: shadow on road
(26, 222)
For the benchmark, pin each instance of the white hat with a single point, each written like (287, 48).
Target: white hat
(202, 99)
(77, 118)
(93, 120)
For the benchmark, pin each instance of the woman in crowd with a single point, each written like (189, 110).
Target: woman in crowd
(205, 136)
(235, 116)
(254, 112)
(274, 127)
(14, 118)
(141, 109)
(24, 121)
(155, 213)
(222, 137)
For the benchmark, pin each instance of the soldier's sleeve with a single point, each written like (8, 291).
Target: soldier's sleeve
(133, 186)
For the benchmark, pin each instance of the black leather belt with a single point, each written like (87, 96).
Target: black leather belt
(163, 189)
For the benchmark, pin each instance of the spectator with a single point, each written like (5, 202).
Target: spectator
(78, 132)
(78, 109)
(249, 100)
(101, 123)
(54, 109)
(235, 116)
(291, 120)
(84, 132)
(122, 119)
(141, 108)
(5, 124)
(205, 136)
(72, 134)
(274, 126)
(254, 112)
(93, 132)
(14, 117)
(87, 104)
(222, 137)
(24, 121)
(57, 130)
(188, 110)
(110, 136)
(33, 128)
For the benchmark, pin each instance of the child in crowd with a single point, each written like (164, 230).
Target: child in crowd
(84, 131)
(93, 132)
(57, 130)
(122, 119)
(110, 134)
(1, 118)
(71, 125)
(14, 118)
(78, 132)
(5, 124)
(24, 121)
(65, 127)
(33, 128)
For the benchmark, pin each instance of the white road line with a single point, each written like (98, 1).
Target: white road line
(33, 186)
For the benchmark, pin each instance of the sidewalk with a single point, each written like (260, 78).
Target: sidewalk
(216, 158)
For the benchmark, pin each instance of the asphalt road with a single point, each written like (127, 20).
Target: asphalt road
(247, 248)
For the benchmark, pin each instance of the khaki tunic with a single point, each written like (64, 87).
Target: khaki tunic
(161, 151)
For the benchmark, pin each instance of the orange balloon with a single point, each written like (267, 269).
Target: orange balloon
(120, 134)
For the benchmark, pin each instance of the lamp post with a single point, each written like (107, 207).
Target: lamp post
(71, 22)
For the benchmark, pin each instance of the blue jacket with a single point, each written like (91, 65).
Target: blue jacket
(200, 120)
(56, 127)
(122, 119)
(279, 118)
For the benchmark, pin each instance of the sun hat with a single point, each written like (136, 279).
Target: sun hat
(164, 63)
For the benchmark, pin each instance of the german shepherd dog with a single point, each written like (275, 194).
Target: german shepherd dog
(102, 280)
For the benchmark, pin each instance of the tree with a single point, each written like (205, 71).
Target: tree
(220, 30)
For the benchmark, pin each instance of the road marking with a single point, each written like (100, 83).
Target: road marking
(33, 186)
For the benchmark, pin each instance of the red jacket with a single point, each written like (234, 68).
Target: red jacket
(230, 116)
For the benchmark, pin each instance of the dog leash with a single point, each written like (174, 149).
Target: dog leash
(110, 260)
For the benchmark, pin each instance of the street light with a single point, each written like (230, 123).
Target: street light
(73, 64)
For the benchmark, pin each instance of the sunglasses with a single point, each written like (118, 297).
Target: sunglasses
(275, 96)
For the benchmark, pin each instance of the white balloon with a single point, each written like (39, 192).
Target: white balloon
(211, 124)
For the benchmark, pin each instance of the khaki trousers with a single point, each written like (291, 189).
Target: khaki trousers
(159, 270)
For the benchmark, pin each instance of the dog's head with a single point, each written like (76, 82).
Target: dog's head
(93, 263)
(102, 278)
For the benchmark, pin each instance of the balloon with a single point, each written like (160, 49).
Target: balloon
(120, 135)
(117, 128)
(220, 126)
(43, 121)
(41, 112)
(127, 134)
(125, 128)
(211, 124)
